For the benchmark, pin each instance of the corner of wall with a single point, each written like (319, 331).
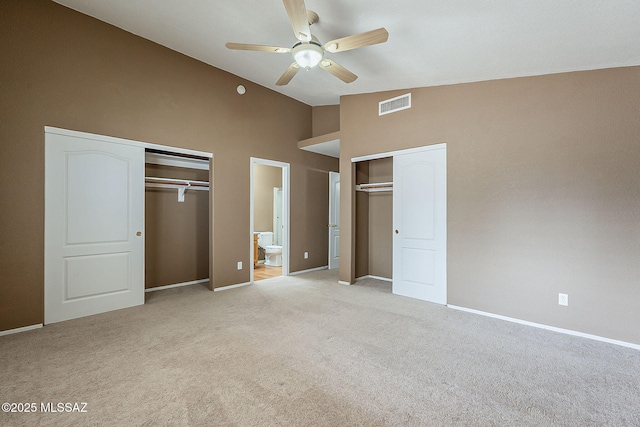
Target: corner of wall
(325, 119)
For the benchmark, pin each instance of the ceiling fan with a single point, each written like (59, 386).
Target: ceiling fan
(308, 52)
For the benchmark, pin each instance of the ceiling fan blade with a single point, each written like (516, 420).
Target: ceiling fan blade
(357, 40)
(257, 47)
(297, 12)
(288, 74)
(337, 70)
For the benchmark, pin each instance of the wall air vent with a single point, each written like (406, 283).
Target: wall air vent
(392, 105)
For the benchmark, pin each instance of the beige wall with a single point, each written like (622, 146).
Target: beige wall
(325, 119)
(313, 237)
(64, 69)
(543, 193)
(265, 178)
(176, 244)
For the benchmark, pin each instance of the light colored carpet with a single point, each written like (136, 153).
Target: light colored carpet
(306, 351)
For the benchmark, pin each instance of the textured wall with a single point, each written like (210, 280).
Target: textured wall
(325, 119)
(543, 192)
(64, 69)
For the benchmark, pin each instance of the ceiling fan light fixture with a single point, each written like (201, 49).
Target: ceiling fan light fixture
(307, 54)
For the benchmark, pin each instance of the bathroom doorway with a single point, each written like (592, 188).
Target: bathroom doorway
(269, 219)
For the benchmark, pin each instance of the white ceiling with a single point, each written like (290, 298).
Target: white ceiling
(431, 42)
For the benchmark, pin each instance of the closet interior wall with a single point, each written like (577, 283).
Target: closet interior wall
(176, 233)
(374, 220)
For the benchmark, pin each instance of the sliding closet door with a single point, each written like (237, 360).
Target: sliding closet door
(94, 219)
(420, 224)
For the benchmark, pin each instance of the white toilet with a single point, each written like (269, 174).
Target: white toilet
(272, 253)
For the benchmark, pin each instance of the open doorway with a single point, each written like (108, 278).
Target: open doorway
(269, 219)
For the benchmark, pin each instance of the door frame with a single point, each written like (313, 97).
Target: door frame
(144, 145)
(442, 145)
(286, 174)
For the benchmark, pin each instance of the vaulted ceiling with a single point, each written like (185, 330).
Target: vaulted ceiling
(431, 42)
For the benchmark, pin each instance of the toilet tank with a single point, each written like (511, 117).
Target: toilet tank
(265, 238)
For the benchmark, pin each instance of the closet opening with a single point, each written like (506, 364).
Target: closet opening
(418, 226)
(177, 220)
(374, 223)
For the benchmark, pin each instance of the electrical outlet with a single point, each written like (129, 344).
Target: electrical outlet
(239, 265)
(306, 255)
(563, 299)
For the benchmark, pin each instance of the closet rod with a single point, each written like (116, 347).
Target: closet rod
(181, 184)
(375, 187)
(177, 182)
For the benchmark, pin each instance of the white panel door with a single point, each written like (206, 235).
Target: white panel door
(94, 218)
(420, 225)
(334, 220)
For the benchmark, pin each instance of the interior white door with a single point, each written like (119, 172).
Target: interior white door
(334, 220)
(94, 218)
(420, 224)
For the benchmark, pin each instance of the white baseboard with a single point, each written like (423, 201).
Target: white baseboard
(176, 285)
(295, 273)
(342, 282)
(373, 277)
(547, 327)
(224, 288)
(18, 330)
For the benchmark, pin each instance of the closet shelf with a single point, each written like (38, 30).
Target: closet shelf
(375, 187)
(181, 184)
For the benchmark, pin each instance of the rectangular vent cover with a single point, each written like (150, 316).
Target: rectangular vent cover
(392, 105)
